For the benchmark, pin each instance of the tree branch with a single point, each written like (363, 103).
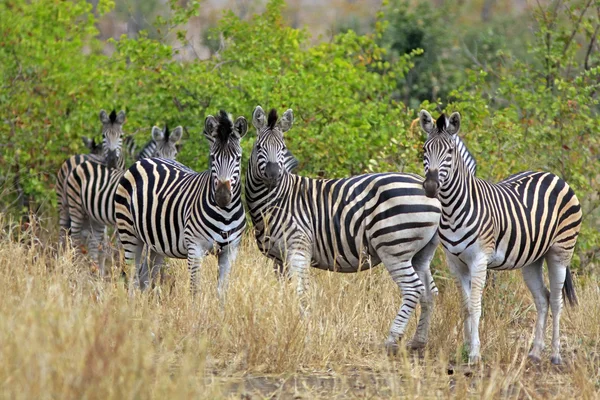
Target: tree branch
(576, 28)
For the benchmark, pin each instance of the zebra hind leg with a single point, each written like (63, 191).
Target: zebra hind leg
(533, 276)
(558, 267)
(412, 288)
(421, 263)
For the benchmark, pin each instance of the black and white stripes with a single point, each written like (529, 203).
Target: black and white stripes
(109, 154)
(91, 188)
(180, 213)
(517, 223)
(342, 225)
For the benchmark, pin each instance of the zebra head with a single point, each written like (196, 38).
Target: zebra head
(92, 146)
(269, 154)
(112, 134)
(225, 155)
(439, 149)
(166, 142)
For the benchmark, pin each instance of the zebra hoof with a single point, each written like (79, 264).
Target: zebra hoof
(391, 348)
(474, 359)
(534, 358)
(417, 345)
(556, 360)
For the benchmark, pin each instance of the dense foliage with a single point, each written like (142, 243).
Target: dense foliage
(348, 94)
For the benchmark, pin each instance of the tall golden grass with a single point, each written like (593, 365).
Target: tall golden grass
(66, 334)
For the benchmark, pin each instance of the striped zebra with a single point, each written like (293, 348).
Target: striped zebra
(150, 148)
(108, 153)
(343, 225)
(92, 146)
(516, 223)
(180, 213)
(91, 188)
(130, 147)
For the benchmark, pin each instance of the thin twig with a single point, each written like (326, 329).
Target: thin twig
(219, 64)
(586, 64)
(576, 28)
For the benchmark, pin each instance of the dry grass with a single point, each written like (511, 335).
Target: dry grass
(65, 334)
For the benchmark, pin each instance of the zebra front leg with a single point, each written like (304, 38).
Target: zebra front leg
(532, 274)
(156, 262)
(298, 261)
(196, 254)
(227, 257)
(462, 277)
(133, 249)
(478, 276)
(95, 243)
(143, 269)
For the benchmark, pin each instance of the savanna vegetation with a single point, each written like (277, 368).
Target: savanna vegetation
(526, 85)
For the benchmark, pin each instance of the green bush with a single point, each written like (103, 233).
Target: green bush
(534, 112)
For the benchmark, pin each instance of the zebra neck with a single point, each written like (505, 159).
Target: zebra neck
(455, 193)
(260, 198)
(147, 151)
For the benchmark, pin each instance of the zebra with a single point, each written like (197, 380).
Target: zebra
(130, 147)
(177, 212)
(92, 146)
(91, 187)
(516, 223)
(149, 149)
(343, 225)
(108, 153)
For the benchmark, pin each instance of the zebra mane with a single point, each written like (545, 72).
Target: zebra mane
(113, 116)
(166, 133)
(225, 128)
(441, 122)
(466, 155)
(272, 120)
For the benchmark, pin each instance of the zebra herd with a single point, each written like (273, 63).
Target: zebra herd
(343, 225)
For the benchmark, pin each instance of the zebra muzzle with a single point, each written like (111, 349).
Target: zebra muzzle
(223, 194)
(111, 159)
(431, 185)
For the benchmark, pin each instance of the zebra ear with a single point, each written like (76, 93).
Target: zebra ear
(157, 134)
(210, 127)
(176, 135)
(120, 117)
(286, 120)
(104, 117)
(453, 123)
(426, 121)
(259, 118)
(88, 143)
(240, 127)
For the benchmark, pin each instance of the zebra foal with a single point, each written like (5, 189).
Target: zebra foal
(181, 213)
(107, 154)
(516, 223)
(91, 188)
(343, 225)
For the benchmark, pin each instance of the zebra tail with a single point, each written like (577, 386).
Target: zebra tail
(569, 289)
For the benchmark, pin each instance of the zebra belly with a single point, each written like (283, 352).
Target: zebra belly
(343, 265)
